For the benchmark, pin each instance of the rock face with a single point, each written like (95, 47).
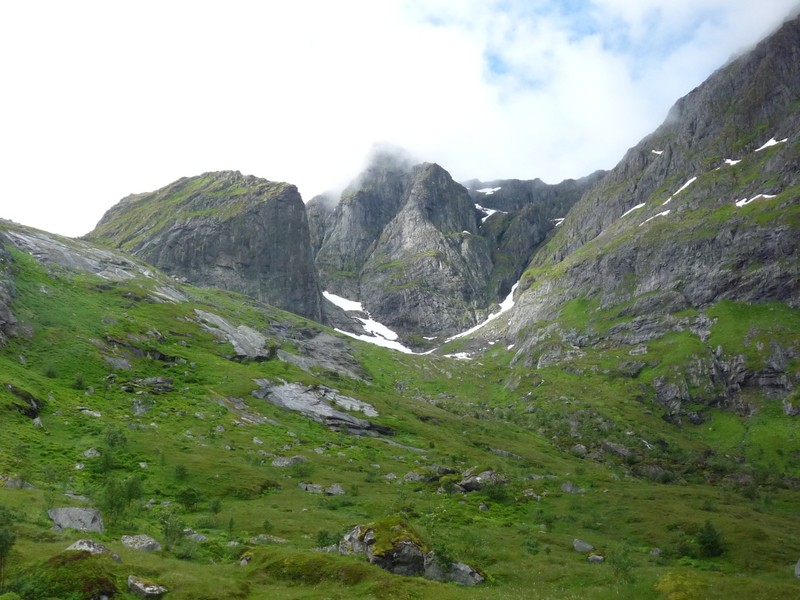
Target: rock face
(410, 244)
(739, 258)
(7, 292)
(316, 403)
(223, 230)
(81, 519)
(697, 213)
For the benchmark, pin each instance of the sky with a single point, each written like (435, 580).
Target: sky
(102, 99)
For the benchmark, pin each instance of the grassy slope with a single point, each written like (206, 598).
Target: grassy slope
(455, 412)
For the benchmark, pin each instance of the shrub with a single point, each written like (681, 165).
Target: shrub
(189, 497)
(710, 540)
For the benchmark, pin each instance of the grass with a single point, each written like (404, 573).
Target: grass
(487, 413)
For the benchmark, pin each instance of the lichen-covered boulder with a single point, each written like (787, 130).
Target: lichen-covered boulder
(145, 588)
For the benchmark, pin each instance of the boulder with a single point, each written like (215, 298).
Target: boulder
(81, 519)
(456, 572)
(595, 559)
(570, 488)
(581, 546)
(405, 557)
(144, 588)
(91, 453)
(142, 542)
(395, 547)
(288, 461)
(797, 569)
(93, 547)
(472, 483)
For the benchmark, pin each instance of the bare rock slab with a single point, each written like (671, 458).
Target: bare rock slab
(80, 519)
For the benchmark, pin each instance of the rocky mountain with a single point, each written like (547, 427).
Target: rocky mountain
(626, 426)
(223, 230)
(700, 214)
(425, 255)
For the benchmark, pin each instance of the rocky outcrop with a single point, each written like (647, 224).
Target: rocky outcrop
(93, 547)
(353, 227)
(394, 546)
(223, 230)
(316, 403)
(7, 292)
(667, 231)
(80, 519)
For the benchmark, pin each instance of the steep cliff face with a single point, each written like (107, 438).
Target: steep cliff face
(427, 273)
(223, 230)
(665, 221)
(367, 205)
(7, 319)
(702, 213)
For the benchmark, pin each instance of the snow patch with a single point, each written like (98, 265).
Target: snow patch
(659, 152)
(379, 334)
(488, 191)
(731, 162)
(558, 221)
(488, 211)
(459, 355)
(745, 201)
(683, 187)
(630, 210)
(378, 341)
(505, 306)
(661, 214)
(343, 303)
(772, 142)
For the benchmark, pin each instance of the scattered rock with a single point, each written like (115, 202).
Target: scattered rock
(145, 588)
(88, 411)
(311, 488)
(505, 453)
(288, 461)
(81, 519)
(17, 484)
(472, 483)
(335, 490)
(579, 450)
(314, 488)
(93, 547)
(142, 542)
(570, 488)
(595, 559)
(267, 539)
(581, 546)
(458, 572)
(529, 493)
(655, 552)
(37, 422)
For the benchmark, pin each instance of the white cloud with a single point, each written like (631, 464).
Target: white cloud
(103, 99)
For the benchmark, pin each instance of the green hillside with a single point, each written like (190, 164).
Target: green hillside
(118, 366)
